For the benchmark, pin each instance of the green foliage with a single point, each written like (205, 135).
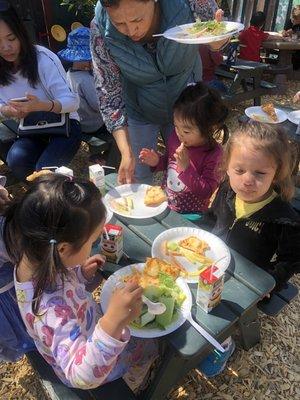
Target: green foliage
(83, 7)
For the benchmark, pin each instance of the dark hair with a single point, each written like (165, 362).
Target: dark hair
(116, 3)
(201, 105)
(258, 19)
(28, 65)
(273, 142)
(55, 209)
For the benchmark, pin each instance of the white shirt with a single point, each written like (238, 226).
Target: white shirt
(52, 84)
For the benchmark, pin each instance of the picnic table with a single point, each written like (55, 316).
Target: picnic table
(245, 285)
(285, 48)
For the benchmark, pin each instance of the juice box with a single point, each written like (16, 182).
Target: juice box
(210, 287)
(112, 242)
(97, 176)
(65, 171)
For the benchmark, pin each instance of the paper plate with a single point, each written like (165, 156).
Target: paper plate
(294, 117)
(179, 34)
(58, 33)
(137, 191)
(257, 114)
(184, 311)
(218, 248)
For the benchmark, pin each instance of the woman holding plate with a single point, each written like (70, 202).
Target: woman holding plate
(139, 77)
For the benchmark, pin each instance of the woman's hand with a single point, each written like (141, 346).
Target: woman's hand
(124, 306)
(149, 157)
(296, 97)
(92, 265)
(127, 165)
(182, 158)
(33, 104)
(219, 15)
(11, 112)
(126, 169)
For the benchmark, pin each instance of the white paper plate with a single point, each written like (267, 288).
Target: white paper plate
(218, 248)
(137, 191)
(184, 311)
(294, 117)
(176, 32)
(257, 114)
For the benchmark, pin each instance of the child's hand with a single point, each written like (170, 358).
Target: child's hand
(125, 305)
(219, 15)
(92, 265)
(4, 198)
(296, 97)
(182, 158)
(149, 157)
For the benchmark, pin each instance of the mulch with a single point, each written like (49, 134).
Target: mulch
(269, 371)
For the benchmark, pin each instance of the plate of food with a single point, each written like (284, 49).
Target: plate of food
(191, 249)
(202, 31)
(266, 113)
(109, 214)
(161, 282)
(136, 200)
(294, 117)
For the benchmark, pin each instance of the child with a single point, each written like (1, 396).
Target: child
(49, 234)
(252, 38)
(251, 212)
(80, 79)
(192, 154)
(14, 340)
(210, 61)
(292, 28)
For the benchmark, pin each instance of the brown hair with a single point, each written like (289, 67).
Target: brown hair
(295, 12)
(273, 142)
(201, 105)
(55, 209)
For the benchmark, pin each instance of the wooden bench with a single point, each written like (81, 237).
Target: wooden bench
(246, 83)
(278, 301)
(56, 390)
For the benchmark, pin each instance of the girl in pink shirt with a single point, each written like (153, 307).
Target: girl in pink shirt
(49, 234)
(192, 154)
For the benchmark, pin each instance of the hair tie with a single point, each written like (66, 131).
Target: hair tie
(52, 241)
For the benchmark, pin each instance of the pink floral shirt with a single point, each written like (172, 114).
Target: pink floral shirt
(190, 190)
(67, 334)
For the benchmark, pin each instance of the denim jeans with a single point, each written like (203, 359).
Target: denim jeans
(31, 154)
(143, 134)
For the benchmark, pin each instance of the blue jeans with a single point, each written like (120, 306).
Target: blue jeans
(143, 134)
(31, 154)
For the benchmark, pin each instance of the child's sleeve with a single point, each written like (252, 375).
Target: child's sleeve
(203, 183)
(84, 361)
(287, 261)
(91, 284)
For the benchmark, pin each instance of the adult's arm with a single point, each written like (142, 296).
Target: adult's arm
(111, 103)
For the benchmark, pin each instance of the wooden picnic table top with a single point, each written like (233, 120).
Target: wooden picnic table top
(282, 44)
(245, 285)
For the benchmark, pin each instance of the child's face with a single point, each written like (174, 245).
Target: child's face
(188, 133)
(251, 172)
(71, 259)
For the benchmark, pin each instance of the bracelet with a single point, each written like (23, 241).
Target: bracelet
(53, 105)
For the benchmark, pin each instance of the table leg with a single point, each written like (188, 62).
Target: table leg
(249, 328)
(171, 370)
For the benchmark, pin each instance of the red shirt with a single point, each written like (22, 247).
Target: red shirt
(252, 38)
(210, 61)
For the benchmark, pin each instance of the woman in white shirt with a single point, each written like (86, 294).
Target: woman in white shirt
(36, 73)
